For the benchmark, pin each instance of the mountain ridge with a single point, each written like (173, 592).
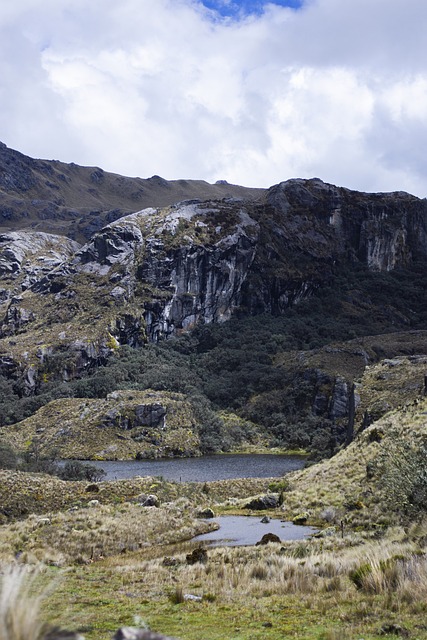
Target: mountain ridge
(73, 200)
(328, 262)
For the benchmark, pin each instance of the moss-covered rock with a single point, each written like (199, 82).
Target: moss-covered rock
(125, 425)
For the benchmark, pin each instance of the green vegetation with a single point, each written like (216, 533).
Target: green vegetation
(402, 467)
(264, 369)
(115, 562)
(33, 461)
(335, 366)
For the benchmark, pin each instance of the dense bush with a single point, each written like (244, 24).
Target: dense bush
(76, 470)
(8, 457)
(35, 462)
(402, 471)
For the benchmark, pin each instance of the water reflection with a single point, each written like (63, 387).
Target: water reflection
(247, 530)
(205, 469)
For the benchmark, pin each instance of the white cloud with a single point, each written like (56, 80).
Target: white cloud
(336, 89)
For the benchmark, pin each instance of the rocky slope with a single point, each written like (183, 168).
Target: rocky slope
(158, 272)
(52, 196)
(126, 424)
(162, 271)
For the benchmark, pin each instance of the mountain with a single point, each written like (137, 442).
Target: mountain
(67, 199)
(255, 301)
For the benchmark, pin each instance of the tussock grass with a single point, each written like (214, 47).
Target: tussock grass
(311, 579)
(340, 585)
(89, 534)
(25, 493)
(346, 488)
(393, 565)
(310, 595)
(19, 609)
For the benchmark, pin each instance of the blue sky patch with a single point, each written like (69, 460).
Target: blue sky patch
(238, 8)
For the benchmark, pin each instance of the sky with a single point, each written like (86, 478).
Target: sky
(247, 91)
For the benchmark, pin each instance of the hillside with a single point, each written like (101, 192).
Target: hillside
(146, 318)
(259, 307)
(68, 199)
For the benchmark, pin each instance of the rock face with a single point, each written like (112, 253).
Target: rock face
(309, 229)
(27, 256)
(166, 270)
(382, 230)
(204, 280)
(162, 271)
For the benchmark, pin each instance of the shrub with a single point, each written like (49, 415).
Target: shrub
(8, 458)
(76, 470)
(403, 475)
(177, 596)
(358, 576)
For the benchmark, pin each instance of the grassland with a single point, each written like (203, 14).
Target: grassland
(111, 562)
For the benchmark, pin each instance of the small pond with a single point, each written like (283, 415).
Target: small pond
(204, 469)
(247, 530)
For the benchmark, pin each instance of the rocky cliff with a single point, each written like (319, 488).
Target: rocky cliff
(158, 272)
(164, 270)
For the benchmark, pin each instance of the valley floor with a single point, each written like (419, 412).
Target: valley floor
(107, 560)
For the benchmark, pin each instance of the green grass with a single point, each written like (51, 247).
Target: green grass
(103, 596)
(106, 561)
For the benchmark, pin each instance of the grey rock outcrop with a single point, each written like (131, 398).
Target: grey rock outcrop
(188, 278)
(167, 270)
(260, 503)
(133, 633)
(339, 399)
(382, 230)
(26, 256)
(204, 280)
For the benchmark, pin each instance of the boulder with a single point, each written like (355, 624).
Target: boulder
(92, 488)
(267, 538)
(206, 513)
(197, 555)
(261, 503)
(169, 561)
(148, 500)
(62, 634)
(394, 629)
(133, 633)
(300, 518)
(191, 597)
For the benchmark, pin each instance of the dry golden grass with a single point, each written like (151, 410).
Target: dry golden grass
(19, 609)
(97, 531)
(307, 586)
(342, 485)
(348, 579)
(24, 493)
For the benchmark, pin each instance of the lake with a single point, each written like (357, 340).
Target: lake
(247, 530)
(204, 469)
